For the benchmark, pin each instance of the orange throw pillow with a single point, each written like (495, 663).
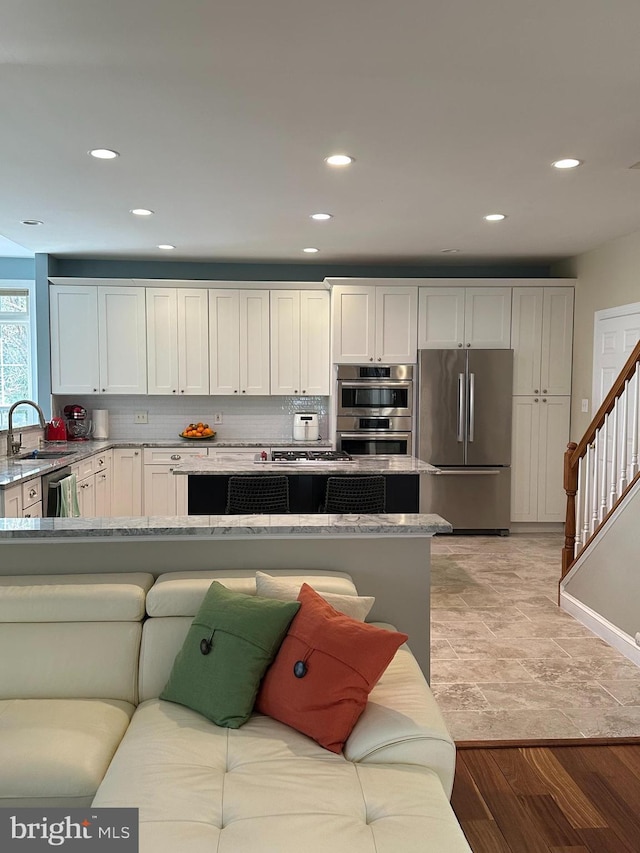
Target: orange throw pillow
(325, 669)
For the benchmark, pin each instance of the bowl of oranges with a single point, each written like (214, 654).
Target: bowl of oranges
(198, 431)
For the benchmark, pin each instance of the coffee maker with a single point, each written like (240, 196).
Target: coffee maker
(78, 425)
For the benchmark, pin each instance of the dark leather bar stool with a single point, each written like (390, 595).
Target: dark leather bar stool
(355, 495)
(255, 495)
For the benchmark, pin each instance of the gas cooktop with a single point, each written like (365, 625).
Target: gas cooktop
(310, 456)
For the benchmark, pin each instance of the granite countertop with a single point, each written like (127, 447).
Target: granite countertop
(12, 473)
(358, 465)
(227, 526)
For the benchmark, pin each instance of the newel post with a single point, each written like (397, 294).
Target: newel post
(570, 487)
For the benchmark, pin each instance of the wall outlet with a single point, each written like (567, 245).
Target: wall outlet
(217, 418)
(140, 418)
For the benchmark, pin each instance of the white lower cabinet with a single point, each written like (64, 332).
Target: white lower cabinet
(23, 500)
(93, 485)
(164, 492)
(126, 493)
(540, 436)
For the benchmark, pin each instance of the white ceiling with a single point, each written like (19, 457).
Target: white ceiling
(224, 111)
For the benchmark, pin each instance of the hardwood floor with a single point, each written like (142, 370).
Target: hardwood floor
(550, 799)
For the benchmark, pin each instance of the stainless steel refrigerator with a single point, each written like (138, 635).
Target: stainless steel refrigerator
(464, 429)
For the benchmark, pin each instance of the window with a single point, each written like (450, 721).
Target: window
(17, 362)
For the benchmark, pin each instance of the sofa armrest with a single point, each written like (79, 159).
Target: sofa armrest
(402, 723)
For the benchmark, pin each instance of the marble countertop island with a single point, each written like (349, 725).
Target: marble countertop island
(358, 465)
(223, 526)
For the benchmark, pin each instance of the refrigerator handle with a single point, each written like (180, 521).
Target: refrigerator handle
(472, 404)
(461, 407)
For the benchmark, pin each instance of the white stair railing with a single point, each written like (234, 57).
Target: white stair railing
(601, 467)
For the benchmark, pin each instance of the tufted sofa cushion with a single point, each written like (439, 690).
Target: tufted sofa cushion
(69, 649)
(267, 788)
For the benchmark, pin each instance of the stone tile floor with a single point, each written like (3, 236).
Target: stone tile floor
(506, 662)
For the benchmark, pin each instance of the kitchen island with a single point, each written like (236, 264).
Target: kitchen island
(208, 480)
(388, 556)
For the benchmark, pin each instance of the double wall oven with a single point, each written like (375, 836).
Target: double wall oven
(375, 409)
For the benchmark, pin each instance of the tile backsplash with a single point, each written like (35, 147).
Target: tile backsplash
(264, 418)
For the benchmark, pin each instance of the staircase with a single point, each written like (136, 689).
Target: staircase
(600, 582)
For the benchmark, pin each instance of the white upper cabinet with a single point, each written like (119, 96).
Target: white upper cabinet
(98, 340)
(74, 339)
(122, 340)
(300, 342)
(542, 338)
(177, 340)
(456, 317)
(374, 323)
(239, 341)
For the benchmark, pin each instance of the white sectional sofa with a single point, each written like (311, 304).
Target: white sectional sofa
(81, 669)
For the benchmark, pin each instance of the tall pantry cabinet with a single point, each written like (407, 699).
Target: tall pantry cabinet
(542, 339)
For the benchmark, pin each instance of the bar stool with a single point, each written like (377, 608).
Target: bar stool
(355, 495)
(256, 495)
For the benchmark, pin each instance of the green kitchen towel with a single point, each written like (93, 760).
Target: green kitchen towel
(68, 498)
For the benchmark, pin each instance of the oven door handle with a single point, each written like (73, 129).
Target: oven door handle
(374, 384)
(376, 436)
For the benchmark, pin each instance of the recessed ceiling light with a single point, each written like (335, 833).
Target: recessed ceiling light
(31, 222)
(494, 217)
(104, 153)
(449, 251)
(339, 160)
(567, 163)
(166, 246)
(320, 216)
(141, 211)
(310, 250)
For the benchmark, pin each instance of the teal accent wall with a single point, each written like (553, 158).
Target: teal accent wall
(201, 270)
(17, 269)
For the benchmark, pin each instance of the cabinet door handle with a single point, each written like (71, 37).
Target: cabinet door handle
(371, 359)
(304, 391)
(174, 391)
(182, 390)
(135, 453)
(459, 345)
(468, 345)
(236, 391)
(544, 399)
(536, 400)
(170, 469)
(27, 515)
(95, 390)
(544, 390)
(104, 390)
(295, 391)
(243, 391)
(100, 461)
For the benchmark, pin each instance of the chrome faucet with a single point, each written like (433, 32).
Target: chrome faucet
(13, 446)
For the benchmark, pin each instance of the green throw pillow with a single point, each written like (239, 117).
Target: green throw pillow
(231, 642)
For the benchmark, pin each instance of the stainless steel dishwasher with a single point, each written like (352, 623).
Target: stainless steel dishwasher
(51, 491)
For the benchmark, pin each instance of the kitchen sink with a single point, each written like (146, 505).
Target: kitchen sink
(37, 455)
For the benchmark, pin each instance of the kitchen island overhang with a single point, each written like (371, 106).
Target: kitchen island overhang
(209, 479)
(388, 556)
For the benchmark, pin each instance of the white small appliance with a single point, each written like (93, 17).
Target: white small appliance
(100, 423)
(305, 426)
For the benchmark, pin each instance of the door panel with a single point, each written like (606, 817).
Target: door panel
(489, 407)
(441, 406)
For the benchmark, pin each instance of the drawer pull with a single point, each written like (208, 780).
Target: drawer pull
(33, 493)
(176, 456)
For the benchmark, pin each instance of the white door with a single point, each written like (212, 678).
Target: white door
(487, 317)
(396, 334)
(193, 341)
(126, 482)
(315, 366)
(87, 497)
(224, 341)
(12, 502)
(554, 436)
(617, 331)
(525, 435)
(285, 341)
(526, 338)
(159, 490)
(557, 341)
(103, 493)
(122, 340)
(74, 339)
(162, 340)
(353, 323)
(254, 342)
(440, 317)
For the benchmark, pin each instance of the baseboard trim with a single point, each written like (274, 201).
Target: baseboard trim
(537, 526)
(600, 626)
(547, 742)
